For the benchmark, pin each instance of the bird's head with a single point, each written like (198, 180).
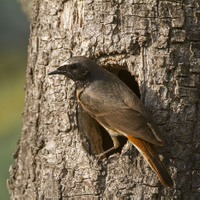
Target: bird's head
(76, 68)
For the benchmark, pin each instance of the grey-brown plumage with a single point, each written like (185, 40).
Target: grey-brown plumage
(107, 99)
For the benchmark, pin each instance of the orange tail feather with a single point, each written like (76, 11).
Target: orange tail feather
(149, 153)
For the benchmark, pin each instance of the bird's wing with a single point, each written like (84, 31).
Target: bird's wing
(129, 122)
(135, 104)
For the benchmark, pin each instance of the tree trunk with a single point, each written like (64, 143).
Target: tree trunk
(158, 42)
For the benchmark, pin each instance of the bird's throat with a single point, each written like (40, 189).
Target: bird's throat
(81, 84)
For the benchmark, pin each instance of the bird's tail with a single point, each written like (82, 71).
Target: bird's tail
(149, 153)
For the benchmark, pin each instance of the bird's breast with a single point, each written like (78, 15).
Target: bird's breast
(99, 98)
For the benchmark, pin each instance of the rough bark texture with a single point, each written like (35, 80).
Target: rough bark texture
(159, 43)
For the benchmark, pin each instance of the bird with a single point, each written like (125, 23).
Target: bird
(117, 108)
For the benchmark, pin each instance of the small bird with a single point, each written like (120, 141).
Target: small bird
(115, 106)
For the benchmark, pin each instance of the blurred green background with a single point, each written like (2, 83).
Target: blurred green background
(14, 33)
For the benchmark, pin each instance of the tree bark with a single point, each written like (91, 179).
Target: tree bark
(158, 42)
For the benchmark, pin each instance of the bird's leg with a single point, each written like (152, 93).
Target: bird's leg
(115, 143)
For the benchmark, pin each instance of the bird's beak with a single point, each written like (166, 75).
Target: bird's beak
(60, 70)
(54, 72)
